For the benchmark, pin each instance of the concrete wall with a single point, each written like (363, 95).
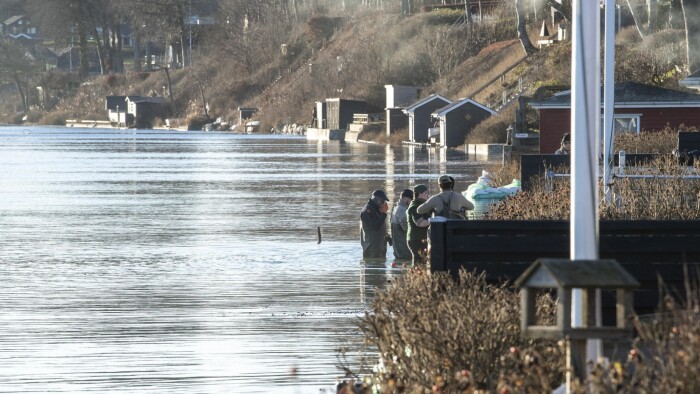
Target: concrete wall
(401, 96)
(325, 134)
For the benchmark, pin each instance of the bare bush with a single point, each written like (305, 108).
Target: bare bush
(437, 333)
(662, 141)
(492, 130)
(56, 118)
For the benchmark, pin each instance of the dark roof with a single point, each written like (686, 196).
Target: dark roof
(12, 19)
(420, 103)
(444, 110)
(603, 274)
(112, 102)
(146, 99)
(629, 94)
(692, 81)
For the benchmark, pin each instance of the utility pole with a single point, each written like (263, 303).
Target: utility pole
(585, 123)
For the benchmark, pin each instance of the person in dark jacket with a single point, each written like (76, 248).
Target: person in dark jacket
(373, 234)
(565, 148)
(418, 223)
(399, 226)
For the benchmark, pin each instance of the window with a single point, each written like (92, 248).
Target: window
(624, 123)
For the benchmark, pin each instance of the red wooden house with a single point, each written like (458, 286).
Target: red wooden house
(638, 108)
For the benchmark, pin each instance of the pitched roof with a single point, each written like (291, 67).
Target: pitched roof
(12, 19)
(692, 81)
(112, 102)
(420, 103)
(603, 274)
(451, 107)
(629, 95)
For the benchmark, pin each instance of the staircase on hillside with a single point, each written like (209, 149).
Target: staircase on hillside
(508, 94)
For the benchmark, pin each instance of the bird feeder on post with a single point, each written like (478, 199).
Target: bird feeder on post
(564, 275)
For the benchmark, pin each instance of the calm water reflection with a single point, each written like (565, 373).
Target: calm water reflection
(174, 262)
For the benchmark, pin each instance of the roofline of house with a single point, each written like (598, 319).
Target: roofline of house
(692, 82)
(426, 100)
(461, 102)
(647, 104)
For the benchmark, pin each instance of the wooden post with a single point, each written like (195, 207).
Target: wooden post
(575, 361)
(437, 244)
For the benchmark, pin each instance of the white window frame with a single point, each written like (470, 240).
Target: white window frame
(638, 118)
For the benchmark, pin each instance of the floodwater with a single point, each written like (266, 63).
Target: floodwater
(174, 262)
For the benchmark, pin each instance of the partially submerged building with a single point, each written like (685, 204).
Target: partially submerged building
(397, 99)
(419, 116)
(340, 112)
(134, 111)
(456, 120)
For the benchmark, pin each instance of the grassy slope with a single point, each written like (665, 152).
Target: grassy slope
(371, 50)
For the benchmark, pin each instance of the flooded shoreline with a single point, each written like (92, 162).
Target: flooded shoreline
(153, 262)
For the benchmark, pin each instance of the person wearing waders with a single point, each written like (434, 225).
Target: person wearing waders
(417, 235)
(399, 226)
(373, 234)
(448, 204)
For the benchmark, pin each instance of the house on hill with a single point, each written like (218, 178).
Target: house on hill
(19, 27)
(419, 119)
(134, 111)
(117, 108)
(637, 107)
(692, 81)
(456, 120)
(145, 109)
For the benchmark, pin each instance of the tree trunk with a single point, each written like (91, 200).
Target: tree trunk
(652, 11)
(637, 22)
(170, 85)
(522, 29)
(22, 93)
(468, 10)
(137, 53)
(119, 58)
(84, 51)
(149, 65)
(205, 107)
(691, 17)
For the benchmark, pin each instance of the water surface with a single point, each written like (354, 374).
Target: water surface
(175, 262)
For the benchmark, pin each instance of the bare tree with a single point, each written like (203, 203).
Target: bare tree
(522, 28)
(16, 66)
(691, 17)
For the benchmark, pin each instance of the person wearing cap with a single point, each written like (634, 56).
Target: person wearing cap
(565, 147)
(399, 226)
(448, 203)
(417, 235)
(373, 235)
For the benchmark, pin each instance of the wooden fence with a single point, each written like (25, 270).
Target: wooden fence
(503, 249)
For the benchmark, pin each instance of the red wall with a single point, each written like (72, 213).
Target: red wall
(555, 122)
